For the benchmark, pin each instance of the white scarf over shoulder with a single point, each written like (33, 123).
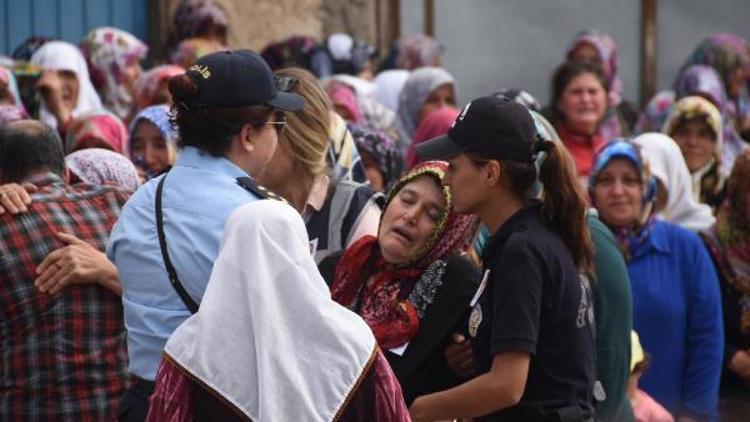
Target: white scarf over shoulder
(668, 165)
(268, 338)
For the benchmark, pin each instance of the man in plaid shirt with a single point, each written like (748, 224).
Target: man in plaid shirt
(62, 356)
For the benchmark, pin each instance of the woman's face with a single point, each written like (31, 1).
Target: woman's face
(149, 147)
(409, 220)
(464, 179)
(583, 103)
(129, 77)
(585, 52)
(697, 143)
(618, 193)
(63, 82)
(279, 170)
(737, 80)
(372, 170)
(442, 96)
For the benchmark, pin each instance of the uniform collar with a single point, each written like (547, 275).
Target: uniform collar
(196, 158)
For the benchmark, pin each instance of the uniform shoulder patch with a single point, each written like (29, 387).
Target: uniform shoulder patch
(261, 192)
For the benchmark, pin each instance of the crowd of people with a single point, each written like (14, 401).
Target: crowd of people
(320, 232)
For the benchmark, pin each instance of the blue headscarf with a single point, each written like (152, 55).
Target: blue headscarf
(158, 115)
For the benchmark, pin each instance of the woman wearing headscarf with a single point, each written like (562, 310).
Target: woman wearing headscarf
(11, 106)
(203, 19)
(349, 56)
(388, 86)
(600, 48)
(695, 124)
(409, 283)
(579, 108)
(704, 81)
(153, 141)
(99, 166)
(729, 244)
(65, 85)
(152, 89)
(97, 130)
(380, 155)
(114, 56)
(337, 212)
(427, 89)
(352, 98)
(676, 302)
(677, 204)
(434, 124)
(418, 50)
(251, 366)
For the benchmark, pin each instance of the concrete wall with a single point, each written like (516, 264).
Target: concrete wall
(491, 44)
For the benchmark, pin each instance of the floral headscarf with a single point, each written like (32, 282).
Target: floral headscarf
(415, 51)
(656, 112)
(607, 49)
(158, 115)
(729, 239)
(109, 51)
(16, 111)
(381, 148)
(61, 55)
(629, 237)
(417, 88)
(191, 18)
(343, 157)
(150, 83)
(99, 166)
(398, 297)
(104, 127)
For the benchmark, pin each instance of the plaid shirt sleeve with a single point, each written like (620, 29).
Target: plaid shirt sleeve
(62, 357)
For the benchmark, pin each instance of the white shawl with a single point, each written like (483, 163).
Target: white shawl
(61, 55)
(268, 338)
(668, 165)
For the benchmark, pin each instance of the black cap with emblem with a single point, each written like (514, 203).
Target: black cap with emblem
(492, 127)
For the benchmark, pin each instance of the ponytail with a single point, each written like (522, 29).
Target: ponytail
(564, 206)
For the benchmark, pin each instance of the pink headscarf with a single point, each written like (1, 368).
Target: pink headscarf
(98, 166)
(102, 126)
(344, 96)
(149, 84)
(435, 124)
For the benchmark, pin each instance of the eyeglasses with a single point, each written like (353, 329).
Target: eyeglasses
(285, 83)
(280, 124)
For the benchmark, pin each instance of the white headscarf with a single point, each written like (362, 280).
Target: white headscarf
(268, 338)
(61, 55)
(418, 86)
(388, 86)
(668, 165)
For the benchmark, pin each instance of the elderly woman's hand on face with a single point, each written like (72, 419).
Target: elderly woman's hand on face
(59, 90)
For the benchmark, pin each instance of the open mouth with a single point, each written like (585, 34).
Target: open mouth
(403, 235)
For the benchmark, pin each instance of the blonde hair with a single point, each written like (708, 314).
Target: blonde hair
(306, 135)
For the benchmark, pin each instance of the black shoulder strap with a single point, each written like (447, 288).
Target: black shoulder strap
(186, 299)
(261, 192)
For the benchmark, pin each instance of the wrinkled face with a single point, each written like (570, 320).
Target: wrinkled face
(585, 52)
(465, 180)
(409, 220)
(442, 96)
(583, 103)
(149, 147)
(697, 142)
(618, 193)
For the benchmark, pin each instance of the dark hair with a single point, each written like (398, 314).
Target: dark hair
(565, 73)
(563, 204)
(28, 147)
(210, 129)
(643, 365)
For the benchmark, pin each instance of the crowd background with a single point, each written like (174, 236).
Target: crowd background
(668, 179)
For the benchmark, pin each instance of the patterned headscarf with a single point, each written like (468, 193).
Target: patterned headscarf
(342, 157)
(99, 166)
(415, 51)
(705, 81)
(29, 47)
(607, 49)
(150, 84)
(191, 18)
(382, 149)
(16, 111)
(396, 300)
(629, 237)
(729, 239)
(109, 51)
(158, 115)
(103, 126)
(61, 55)
(656, 112)
(417, 88)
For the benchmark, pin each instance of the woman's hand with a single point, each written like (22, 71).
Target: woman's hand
(50, 86)
(78, 262)
(460, 357)
(14, 197)
(740, 364)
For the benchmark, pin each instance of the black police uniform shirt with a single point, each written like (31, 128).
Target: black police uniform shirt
(536, 301)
